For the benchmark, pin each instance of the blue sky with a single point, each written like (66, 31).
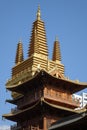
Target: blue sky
(66, 19)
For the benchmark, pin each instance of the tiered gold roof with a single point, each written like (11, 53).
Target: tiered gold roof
(37, 56)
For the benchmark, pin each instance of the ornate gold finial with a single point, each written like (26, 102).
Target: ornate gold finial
(38, 13)
(56, 38)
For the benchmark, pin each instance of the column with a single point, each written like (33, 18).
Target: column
(44, 123)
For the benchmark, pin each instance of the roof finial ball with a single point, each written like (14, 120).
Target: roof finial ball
(38, 13)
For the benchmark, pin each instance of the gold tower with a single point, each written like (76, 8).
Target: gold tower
(37, 55)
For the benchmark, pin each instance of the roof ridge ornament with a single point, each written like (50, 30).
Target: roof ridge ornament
(38, 13)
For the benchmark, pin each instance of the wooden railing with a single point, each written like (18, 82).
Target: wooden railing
(14, 110)
(15, 127)
(60, 97)
(35, 128)
(29, 99)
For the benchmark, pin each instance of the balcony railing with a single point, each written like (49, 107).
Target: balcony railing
(14, 110)
(35, 128)
(15, 127)
(59, 97)
(29, 99)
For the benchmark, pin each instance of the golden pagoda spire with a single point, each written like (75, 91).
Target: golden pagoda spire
(19, 53)
(38, 13)
(56, 51)
(38, 42)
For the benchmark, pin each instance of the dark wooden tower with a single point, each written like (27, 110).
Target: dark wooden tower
(39, 87)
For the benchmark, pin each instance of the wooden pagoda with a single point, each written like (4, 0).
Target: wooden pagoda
(40, 90)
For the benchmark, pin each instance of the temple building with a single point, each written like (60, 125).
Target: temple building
(38, 85)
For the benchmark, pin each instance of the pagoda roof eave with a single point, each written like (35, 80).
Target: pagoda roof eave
(73, 120)
(75, 86)
(16, 116)
(19, 85)
(13, 101)
(59, 107)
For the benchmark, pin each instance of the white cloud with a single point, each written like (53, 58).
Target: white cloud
(4, 127)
